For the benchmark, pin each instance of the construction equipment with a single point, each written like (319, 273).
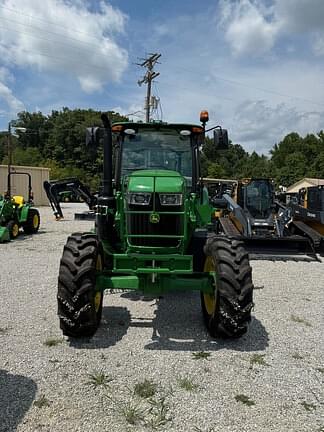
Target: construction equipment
(307, 215)
(54, 190)
(16, 213)
(153, 231)
(253, 215)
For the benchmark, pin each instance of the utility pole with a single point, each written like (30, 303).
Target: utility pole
(149, 64)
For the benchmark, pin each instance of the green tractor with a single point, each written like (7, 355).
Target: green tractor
(154, 231)
(16, 213)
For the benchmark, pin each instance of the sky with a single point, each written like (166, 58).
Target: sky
(257, 66)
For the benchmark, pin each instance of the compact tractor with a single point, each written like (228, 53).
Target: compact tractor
(154, 231)
(16, 213)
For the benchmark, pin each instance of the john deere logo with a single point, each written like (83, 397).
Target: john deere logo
(154, 218)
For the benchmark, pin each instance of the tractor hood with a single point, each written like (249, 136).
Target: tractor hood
(156, 181)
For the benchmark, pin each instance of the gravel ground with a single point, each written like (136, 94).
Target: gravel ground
(269, 380)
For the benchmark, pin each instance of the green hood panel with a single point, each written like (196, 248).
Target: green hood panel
(156, 180)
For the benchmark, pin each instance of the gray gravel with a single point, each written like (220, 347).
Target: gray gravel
(278, 365)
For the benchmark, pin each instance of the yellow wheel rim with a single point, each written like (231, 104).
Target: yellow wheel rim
(98, 296)
(15, 230)
(209, 299)
(35, 221)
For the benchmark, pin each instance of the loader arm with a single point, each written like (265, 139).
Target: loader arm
(54, 188)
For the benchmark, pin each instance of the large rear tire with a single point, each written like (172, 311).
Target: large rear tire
(227, 311)
(79, 303)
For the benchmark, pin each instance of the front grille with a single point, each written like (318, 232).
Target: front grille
(169, 225)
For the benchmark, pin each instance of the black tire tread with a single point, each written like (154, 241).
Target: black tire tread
(234, 286)
(28, 226)
(76, 286)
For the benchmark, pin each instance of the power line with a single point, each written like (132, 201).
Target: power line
(46, 39)
(45, 21)
(64, 36)
(238, 83)
(60, 58)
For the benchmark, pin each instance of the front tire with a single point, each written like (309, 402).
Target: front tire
(227, 311)
(79, 303)
(13, 229)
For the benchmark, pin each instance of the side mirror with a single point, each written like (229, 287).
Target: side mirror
(221, 139)
(92, 136)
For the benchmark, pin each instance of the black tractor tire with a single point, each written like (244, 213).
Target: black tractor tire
(79, 303)
(31, 226)
(227, 312)
(13, 228)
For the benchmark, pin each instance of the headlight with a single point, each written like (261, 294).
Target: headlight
(139, 198)
(171, 199)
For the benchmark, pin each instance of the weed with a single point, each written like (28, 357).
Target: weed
(207, 369)
(297, 356)
(258, 287)
(187, 384)
(133, 413)
(54, 361)
(200, 355)
(50, 342)
(320, 369)
(42, 402)
(300, 320)
(244, 399)
(258, 359)
(211, 429)
(145, 389)
(308, 406)
(4, 330)
(99, 378)
(159, 413)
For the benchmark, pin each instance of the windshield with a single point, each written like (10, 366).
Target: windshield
(259, 198)
(162, 149)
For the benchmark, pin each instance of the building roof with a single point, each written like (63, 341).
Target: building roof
(305, 182)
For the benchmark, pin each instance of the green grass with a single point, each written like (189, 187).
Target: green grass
(145, 389)
(201, 355)
(50, 342)
(300, 320)
(308, 406)
(258, 359)
(244, 400)
(320, 369)
(187, 384)
(99, 378)
(42, 402)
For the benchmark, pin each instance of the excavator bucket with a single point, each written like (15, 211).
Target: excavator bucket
(4, 234)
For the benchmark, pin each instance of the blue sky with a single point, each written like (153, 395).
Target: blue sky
(257, 66)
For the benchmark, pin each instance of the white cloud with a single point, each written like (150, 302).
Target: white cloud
(257, 122)
(64, 37)
(14, 104)
(253, 27)
(247, 30)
